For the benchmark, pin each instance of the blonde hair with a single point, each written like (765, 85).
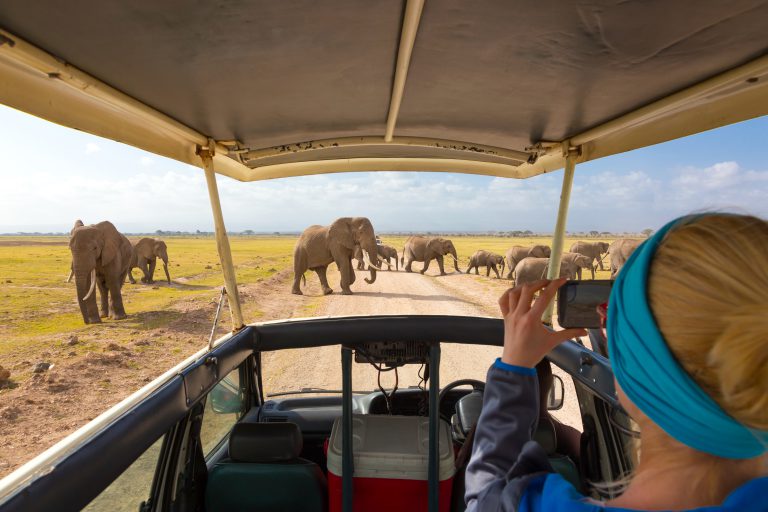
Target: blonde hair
(708, 290)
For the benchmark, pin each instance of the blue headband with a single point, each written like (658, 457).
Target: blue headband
(652, 378)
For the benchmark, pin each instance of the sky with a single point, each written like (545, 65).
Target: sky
(52, 175)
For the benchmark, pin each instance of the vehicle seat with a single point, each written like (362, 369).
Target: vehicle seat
(264, 472)
(545, 435)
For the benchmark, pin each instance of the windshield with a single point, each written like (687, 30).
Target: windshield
(50, 358)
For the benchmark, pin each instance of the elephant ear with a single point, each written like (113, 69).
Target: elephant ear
(109, 251)
(111, 242)
(341, 233)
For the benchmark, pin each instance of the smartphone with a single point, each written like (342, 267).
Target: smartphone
(577, 303)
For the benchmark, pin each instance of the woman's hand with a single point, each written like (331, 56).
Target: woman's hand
(526, 339)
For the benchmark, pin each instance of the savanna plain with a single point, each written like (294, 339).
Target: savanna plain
(64, 373)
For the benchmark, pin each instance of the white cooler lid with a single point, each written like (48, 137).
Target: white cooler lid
(394, 447)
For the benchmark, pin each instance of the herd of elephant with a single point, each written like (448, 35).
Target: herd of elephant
(351, 238)
(103, 257)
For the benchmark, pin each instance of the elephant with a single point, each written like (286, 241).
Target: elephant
(579, 262)
(100, 256)
(419, 248)
(319, 246)
(529, 270)
(620, 250)
(388, 252)
(488, 260)
(145, 254)
(517, 253)
(78, 223)
(593, 249)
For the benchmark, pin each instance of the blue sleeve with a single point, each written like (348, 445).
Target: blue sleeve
(504, 459)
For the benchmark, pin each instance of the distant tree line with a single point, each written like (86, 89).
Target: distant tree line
(249, 232)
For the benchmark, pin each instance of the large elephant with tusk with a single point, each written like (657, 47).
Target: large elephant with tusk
(419, 248)
(319, 246)
(100, 257)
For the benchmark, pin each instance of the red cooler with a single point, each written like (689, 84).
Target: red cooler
(391, 455)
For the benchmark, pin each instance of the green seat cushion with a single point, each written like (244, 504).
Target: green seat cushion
(288, 486)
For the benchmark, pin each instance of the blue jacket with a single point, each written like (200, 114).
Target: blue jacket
(510, 472)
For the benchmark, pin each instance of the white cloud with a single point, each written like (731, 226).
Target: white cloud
(91, 148)
(178, 199)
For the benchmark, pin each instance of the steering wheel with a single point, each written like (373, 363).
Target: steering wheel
(477, 385)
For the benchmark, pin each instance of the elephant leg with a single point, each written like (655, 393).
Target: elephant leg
(142, 264)
(352, 275)
(117, 310)
(320, 271)
(442, 268)
(407, 266)
(427, 261)
(103, 293)
(593, 272)
(600, 264)
(152, 264)
(578, 273)
(498, 276)
(347, 275)
(487, 271)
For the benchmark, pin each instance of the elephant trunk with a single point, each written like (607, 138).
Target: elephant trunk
(370, 255)
(86, 283)
(165, 267)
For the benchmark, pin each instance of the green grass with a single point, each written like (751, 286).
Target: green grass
(36, 302)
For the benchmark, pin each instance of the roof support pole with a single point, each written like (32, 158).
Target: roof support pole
(558, 238)
(222, 241)
(411, 19)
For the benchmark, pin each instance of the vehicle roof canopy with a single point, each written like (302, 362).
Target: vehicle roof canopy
(284, 89)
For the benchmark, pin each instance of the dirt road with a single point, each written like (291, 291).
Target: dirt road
(399, 293)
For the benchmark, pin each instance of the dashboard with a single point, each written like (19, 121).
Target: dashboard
(315, 415)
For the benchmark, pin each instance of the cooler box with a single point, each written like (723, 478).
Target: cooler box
(391, 457)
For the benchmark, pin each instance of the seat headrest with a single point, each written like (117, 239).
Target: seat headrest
(265, 442)
(546, 436)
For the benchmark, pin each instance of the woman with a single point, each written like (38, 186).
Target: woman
(687, 327)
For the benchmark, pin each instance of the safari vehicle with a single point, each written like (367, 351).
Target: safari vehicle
(262, 90)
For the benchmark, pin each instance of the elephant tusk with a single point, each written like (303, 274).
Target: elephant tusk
(93, 285)
(367, 261)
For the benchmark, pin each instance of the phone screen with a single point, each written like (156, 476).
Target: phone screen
(577, 303)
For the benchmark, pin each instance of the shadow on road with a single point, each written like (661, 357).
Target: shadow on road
(431, 298)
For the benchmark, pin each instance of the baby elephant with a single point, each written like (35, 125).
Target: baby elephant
(145, 254)
(578, 262)
(529, 270)
(488, 260)
(386, 252)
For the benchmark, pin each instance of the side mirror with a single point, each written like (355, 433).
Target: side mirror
(556, 394)
(226, 398)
